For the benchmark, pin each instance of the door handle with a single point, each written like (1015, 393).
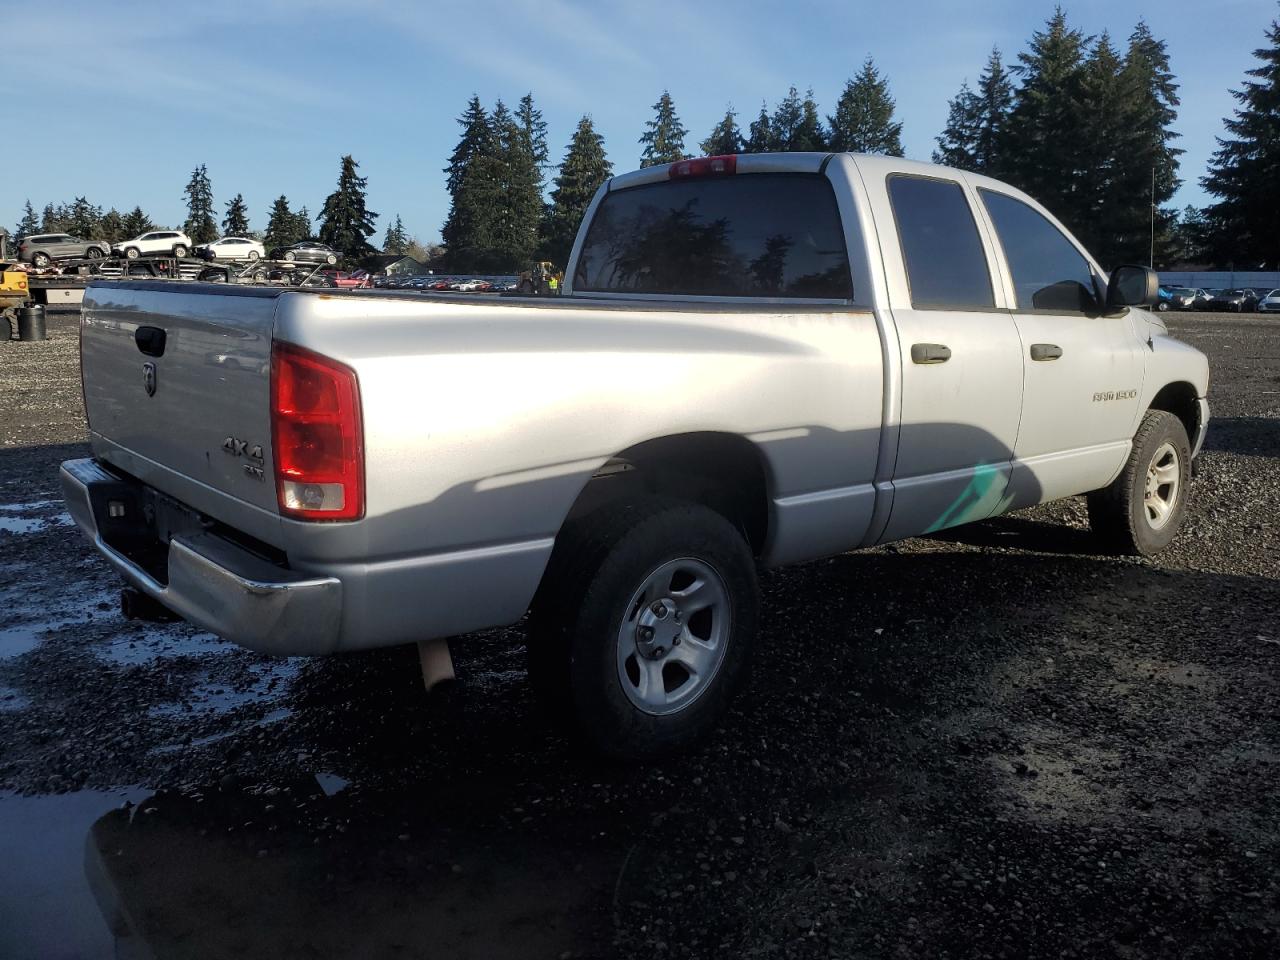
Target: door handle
(1045, 351)
(150, 340)
(930, 353)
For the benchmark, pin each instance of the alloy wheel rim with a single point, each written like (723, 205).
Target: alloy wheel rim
(1163, 484)
(673, 636)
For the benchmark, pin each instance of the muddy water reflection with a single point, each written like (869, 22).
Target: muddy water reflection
(455, 871)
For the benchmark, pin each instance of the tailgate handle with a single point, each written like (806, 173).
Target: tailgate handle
(150, 340)
(930, 353)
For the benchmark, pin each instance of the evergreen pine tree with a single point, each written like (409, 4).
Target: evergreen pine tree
(1046, 126)
(810, 135)
(1152, 114)
(28, 225)
(51, 220)
(663, 138)
(995, 97)
(82, 219)
(302, 228)
(585, 167)
(345, 222)
(535, 130)
(282, 225)
(760, 136)
(1191, 235)
(958, 142)
(236, 222)
(519, 207)
(863, 121)
(397, 240)
(200, 225)
(111, 227)
(136, 223)
(795, 125)
(1105, 206)
(474, 185)
(725, 138)
(1244, 173)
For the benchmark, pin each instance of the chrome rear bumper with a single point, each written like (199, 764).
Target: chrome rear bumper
(211, 581)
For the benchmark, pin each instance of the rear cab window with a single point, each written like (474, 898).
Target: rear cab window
(768, 235)
(946, 266)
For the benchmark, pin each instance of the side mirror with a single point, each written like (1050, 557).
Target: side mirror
(1132, 286)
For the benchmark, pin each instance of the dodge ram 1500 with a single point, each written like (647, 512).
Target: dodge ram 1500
(757, 360)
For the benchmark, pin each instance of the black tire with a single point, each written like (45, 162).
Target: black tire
(1119, 514)
(331, 259)
(40, 259)
(576, 622)
(290, 255)
(179, 251)
(94, 253)
(1162, 305)
(131, 253)
(253, 255)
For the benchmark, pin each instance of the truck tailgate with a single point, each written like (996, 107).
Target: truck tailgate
(180, 375)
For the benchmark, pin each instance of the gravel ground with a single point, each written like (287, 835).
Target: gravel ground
(988, 743)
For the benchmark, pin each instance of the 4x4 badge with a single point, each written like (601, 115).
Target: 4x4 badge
(149, 378)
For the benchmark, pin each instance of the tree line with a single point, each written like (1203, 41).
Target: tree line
(344, 222)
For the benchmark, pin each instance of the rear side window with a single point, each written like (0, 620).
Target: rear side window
(946, 267)
(1049, 273)
(750, 235)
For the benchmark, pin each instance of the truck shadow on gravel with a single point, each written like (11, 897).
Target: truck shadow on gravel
(938, 755)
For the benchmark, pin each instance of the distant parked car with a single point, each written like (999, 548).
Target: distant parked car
(1270, 303)
(357, 279)
(231, 248)
(42, 249)
(307, 251)
(173, 243)
(1177, 298)
(1240, 300)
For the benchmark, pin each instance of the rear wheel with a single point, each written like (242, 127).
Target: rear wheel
(643, 628)
(1142, 509)
(41, 259)
(331, 259)
(253, 255)
(290, 255)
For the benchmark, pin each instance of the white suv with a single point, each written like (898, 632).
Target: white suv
(173, 242)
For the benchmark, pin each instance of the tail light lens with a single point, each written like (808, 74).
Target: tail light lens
(317, 436)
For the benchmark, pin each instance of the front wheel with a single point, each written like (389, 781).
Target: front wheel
(253, 255)
(132, 253)
(331, 259)
(179, 251)
(1142, 509)
(1162, 305)
(642, 630)
(94, 253)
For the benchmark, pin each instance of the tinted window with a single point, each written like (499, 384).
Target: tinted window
(1049, 273)
(752, 235)
(940, 244)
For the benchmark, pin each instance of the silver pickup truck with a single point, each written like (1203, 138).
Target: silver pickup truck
(757, 360)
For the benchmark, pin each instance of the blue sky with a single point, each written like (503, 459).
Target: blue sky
(269, 95)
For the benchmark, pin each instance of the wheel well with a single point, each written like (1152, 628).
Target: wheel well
(723, 471)
(1180, 400)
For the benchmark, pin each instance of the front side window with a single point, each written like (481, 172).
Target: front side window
(745, 235)
(1049, 273)
(946, 267)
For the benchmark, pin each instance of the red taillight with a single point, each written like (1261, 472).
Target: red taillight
(317, 436)
(721, 166)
